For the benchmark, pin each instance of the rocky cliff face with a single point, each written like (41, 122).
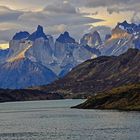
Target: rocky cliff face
(69, 53)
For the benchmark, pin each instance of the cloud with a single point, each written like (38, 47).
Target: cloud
(136, 18)
(47, 19)
(55, 19)
(56, 15)
(59, 15)
(6, 35)
(77, 31)
(7, 14)
(99, 3)
(112, 10)
(56, 29)
(124, 8)
(61, 7)
(56, 23)
(111, 5)
(95, 13)
(25, 4)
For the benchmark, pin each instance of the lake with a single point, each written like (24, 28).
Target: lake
(54, 120)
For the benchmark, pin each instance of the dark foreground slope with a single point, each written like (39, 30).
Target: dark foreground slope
(7, 95)
(99, 75)
(122, 98)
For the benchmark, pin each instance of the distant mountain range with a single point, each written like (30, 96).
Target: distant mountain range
(36, 59)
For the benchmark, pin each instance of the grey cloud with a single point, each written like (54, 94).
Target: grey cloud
(6, 35)
(7, 14)
(99, 3)
(112, 10)
(96, 13)
(58, 13)
(89, 3)
(45, 18)
(54, 22)
(58, 16)
(56, 29)
(131, 7)
(136, 18)
(77, 31)
(61, 7)
(111, 5)
(25, 4)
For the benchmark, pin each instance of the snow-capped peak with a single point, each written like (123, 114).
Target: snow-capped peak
(129, 27)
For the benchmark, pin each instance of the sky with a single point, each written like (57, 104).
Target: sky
(56, 16)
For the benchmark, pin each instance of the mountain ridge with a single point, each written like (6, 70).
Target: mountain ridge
(100, 74)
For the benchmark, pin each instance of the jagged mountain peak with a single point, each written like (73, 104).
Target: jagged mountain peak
(38, 34)
(65, 38)
(118, 32)
(129, 27)
(92, 33)
(124, 23)
(40, 28)
(66, 33)
(118, 42)
(91, 39)
(20, 35)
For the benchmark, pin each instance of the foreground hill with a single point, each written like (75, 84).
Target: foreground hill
(98, 75)
(122, 98)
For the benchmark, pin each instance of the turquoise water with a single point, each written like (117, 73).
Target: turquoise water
(54, 120)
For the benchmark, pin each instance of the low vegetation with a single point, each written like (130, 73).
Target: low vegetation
(125, 97)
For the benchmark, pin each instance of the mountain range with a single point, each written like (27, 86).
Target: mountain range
(37, 59)
(109, 82)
